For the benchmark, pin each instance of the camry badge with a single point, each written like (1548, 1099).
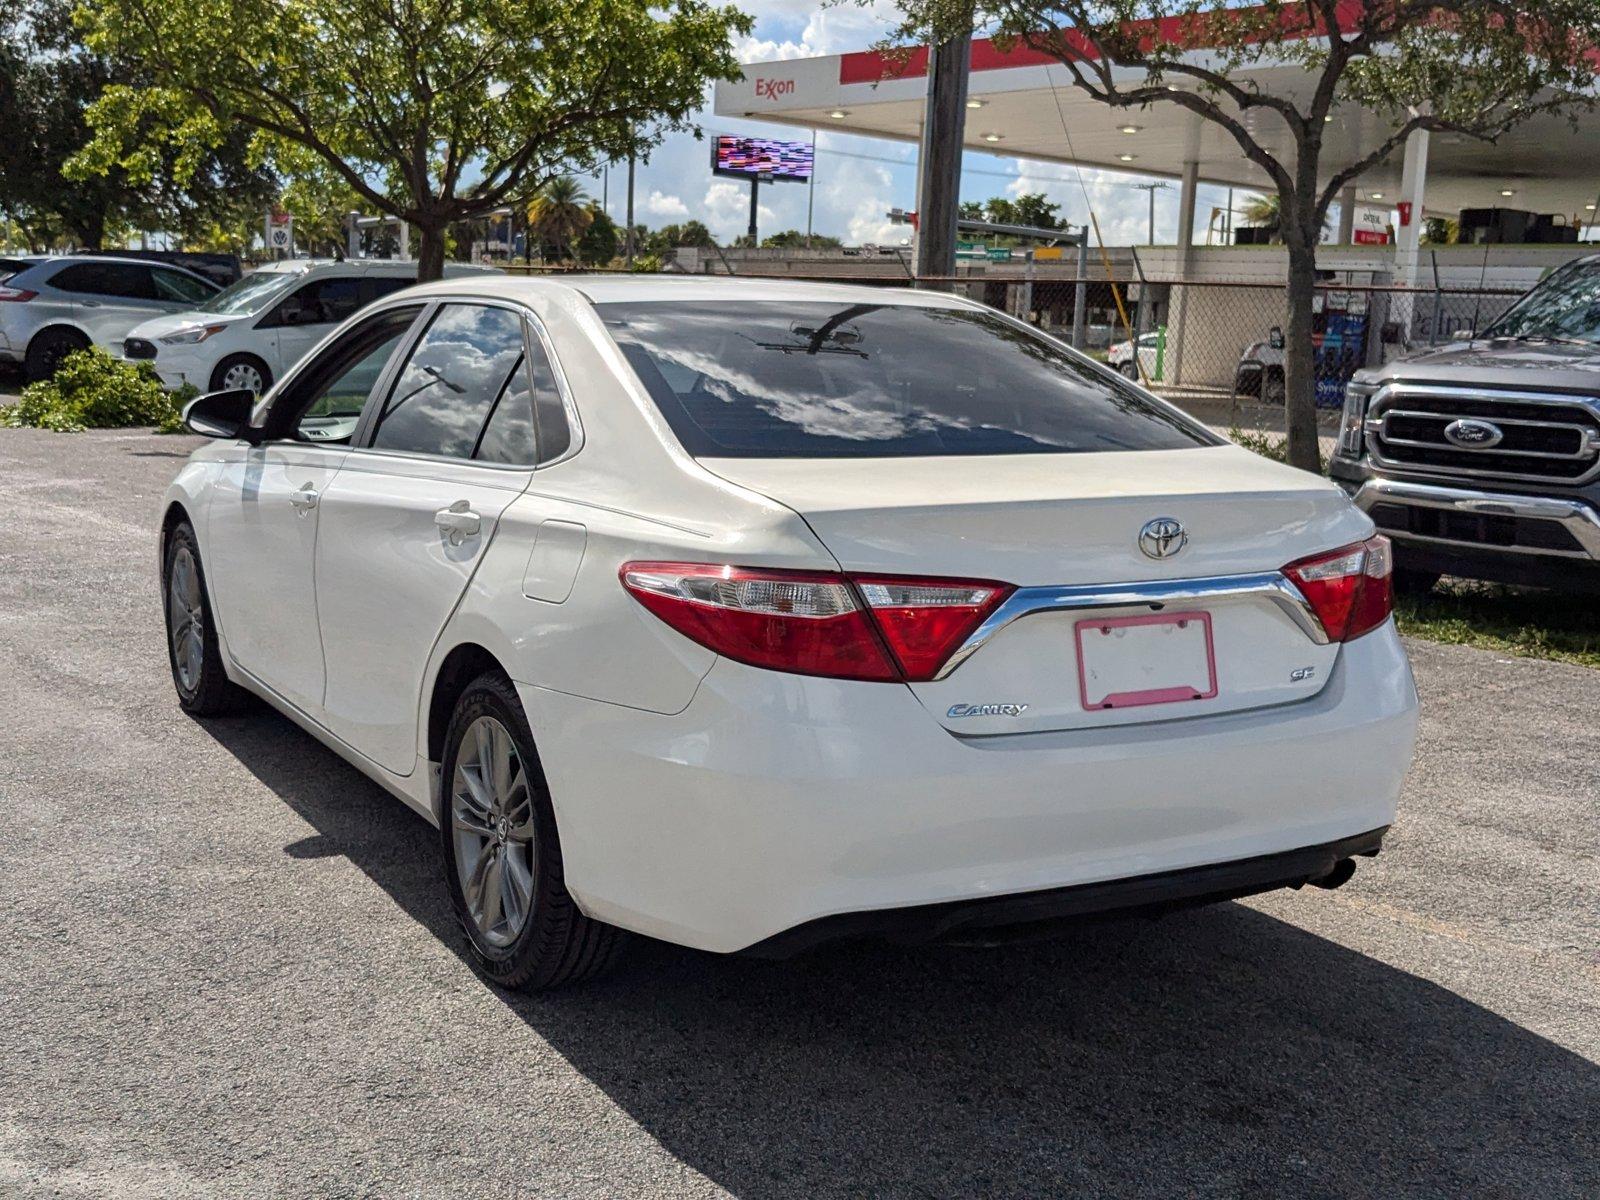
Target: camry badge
(1162, 537)
(1473, 435)
(986, 710)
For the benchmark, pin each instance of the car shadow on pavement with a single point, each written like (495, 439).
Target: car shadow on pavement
(1219, 1052)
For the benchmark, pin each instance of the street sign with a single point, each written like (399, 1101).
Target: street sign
(999, 254)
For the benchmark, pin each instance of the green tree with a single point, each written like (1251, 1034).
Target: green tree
(1471, 67)
(793, 239)
(1031, 208)
(600, 241)
(972, 210)
(433, 111)
(558, 214)
(48, 80)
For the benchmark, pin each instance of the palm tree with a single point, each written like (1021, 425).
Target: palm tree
(559, 213)
(1266, 211)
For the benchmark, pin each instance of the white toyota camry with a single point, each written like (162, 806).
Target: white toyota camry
(750, 614)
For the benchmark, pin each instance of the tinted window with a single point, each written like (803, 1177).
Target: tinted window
(378, 286)
(174, 285)
(124, 280)
(832, 380)
(555, 436)
(453, 377)
(324, 302)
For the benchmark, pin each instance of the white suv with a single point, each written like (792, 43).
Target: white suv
(252, 332)
(748, 614)
(50, 307)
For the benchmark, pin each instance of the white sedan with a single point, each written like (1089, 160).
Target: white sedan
(749, 614)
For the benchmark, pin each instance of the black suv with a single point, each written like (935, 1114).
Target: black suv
(1482, 458)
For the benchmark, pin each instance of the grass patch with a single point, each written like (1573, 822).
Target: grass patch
(1525, 622)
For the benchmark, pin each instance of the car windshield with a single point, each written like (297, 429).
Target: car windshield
(1565, 307)
(249, 295)
(851, 379)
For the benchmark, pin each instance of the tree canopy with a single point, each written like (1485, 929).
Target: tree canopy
(433, 111)
(1477, 68)
(48, 80)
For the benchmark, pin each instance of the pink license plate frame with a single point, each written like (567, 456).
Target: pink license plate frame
(1161, 695)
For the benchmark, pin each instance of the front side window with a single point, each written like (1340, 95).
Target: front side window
(782, 379)
(449, 385)
(323, 402)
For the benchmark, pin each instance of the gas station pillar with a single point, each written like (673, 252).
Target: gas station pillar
(1408, 232)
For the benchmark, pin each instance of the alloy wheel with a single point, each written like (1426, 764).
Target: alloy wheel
(491, 814)
(186, 619)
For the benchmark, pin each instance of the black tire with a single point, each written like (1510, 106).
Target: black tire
(1408, 582)
(1130, 370)
(202, 683)
(1273, 388)
(219, 373)
(557, 944)
(47, 349)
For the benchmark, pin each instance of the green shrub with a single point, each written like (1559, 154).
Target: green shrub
(92, 390)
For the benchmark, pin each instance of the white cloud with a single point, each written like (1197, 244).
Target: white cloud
(660, 204)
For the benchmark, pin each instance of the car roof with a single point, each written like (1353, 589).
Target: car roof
(47, 260)
(633, 288)
(362, 266)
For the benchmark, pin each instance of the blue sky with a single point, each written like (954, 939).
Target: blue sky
(859, 179)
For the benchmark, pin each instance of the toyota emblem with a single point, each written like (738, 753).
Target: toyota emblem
(1162, 537)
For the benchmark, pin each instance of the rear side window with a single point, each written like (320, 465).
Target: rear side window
(449, 385)
(129, 281)
(378, 286)
(838, 380)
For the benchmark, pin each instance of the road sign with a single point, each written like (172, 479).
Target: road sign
(999, 254)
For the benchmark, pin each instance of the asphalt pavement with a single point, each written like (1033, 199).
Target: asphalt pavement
(228, 969)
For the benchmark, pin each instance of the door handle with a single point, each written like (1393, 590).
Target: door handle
(305, 499)
(459, 521)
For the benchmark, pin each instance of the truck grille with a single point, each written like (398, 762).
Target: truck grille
(1542, 437)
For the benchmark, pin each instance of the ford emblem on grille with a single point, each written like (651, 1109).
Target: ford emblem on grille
(1162, 537)
(1473, 435)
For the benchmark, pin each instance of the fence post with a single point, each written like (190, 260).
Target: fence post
(1080, 297)
(1438, 300)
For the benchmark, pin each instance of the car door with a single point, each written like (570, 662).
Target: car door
(305, 316)
(408, 519)
(110, 298)
(263, 518)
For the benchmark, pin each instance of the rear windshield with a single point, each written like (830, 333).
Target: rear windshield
(831, 380)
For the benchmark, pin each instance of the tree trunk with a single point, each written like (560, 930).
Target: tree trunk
(430, 253)
(1299, 355)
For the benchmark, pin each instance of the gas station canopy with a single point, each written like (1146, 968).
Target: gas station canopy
(1023, 103)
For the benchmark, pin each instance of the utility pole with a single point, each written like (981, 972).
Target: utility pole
(627, 241)
(1152, 189)
(811, 188)
(939, 163)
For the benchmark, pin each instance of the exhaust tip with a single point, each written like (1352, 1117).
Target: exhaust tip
(1339, 876)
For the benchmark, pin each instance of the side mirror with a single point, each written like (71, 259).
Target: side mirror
(1275, 338)
(223, 415)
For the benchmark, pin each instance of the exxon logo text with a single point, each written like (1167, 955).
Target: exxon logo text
(771, 89)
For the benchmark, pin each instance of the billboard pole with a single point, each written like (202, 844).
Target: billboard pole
(811, 188)
(755, 183)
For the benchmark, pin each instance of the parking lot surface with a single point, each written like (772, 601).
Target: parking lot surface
(229, 969)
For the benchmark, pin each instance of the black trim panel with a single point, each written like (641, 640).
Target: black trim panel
(1140, 894)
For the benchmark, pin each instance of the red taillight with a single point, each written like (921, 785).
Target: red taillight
(1351, 589)
(16, 295)
(882, 628)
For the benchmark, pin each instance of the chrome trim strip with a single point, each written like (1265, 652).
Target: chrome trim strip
(1273, 586)
(1577, 518)
(1378, 412)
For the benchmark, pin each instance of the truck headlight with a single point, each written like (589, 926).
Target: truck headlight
(1354, 419)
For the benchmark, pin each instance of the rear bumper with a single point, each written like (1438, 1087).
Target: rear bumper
(1149, 894)
(773, 801)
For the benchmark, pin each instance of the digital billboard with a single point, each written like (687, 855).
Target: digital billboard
(747, 157)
